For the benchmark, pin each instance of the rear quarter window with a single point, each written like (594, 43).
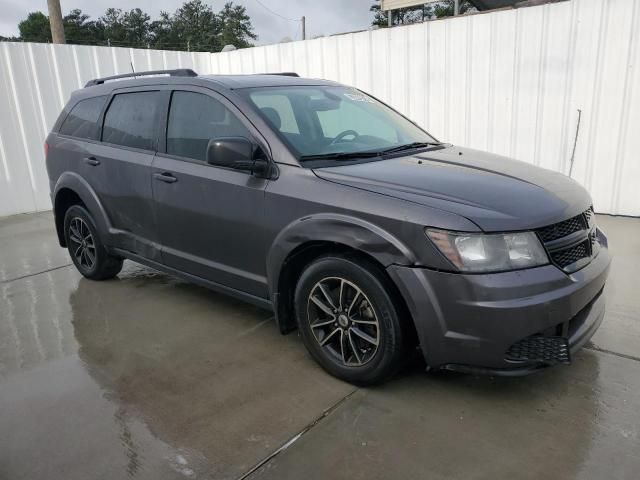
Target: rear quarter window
(132, 120)
(82, 121)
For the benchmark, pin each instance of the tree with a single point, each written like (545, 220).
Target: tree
(131, 29)
(193, 26)
(162, 32)
(35, 28)
(235, 26)
(196, 26)
(111, 25)
(137, 25)
(78, 28)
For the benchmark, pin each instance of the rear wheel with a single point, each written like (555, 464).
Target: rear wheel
(348, 320)
(87, 251)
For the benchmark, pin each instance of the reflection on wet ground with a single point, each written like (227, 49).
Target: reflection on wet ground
(150, 377)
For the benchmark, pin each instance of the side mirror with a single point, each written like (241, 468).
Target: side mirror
(236, 153)
(229, 151)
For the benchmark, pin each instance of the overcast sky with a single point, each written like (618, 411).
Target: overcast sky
(323, 16)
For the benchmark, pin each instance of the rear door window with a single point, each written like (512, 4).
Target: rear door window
(132, 120)
(82, 121)
(194, 119)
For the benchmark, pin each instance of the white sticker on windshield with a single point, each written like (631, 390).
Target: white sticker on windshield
(358, 97)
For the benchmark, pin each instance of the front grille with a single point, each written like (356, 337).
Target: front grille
(562, 229)
(565, 255)
(540, 349)
(564, 258)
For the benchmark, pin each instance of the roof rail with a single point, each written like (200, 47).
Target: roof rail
(179, 72)
(284, 74)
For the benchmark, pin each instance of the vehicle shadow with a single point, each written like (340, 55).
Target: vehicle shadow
(206, 373)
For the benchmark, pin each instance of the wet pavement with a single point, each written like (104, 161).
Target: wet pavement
(148, 377)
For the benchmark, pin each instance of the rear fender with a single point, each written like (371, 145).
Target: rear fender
(81, 187)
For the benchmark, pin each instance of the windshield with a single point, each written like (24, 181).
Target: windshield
(332, 122)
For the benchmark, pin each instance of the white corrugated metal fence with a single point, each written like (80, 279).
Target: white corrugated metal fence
(511, 82)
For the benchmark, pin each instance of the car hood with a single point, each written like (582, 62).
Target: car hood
(495, 192)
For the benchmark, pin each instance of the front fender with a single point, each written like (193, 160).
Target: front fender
(335, 228)
(77, 184)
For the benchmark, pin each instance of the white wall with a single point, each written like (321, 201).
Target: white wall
(510, 82)
(36, 81)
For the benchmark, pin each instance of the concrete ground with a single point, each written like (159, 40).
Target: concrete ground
(148, 377)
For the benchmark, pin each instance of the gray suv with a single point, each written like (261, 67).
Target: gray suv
(323, 204)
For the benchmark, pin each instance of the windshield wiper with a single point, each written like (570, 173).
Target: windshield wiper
(409, 146)
(340, 156)
(368, 154)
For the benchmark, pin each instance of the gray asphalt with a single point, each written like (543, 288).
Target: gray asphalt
(148, 377)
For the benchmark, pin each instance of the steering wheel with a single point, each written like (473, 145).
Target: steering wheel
(346, 133)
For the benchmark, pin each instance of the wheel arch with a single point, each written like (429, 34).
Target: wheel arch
(309, 238)
(72, 189)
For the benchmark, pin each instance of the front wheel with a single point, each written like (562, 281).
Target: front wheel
(85, 247)
(348, 320)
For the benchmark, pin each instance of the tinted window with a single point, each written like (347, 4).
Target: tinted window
(82, 121)
(132, 119)
(194, 119)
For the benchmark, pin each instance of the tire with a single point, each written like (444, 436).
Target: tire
(364, 342)
(85, 247)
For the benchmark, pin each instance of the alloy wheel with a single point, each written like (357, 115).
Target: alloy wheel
(83, 245)
(343, 321)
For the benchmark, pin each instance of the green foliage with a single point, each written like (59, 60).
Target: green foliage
(78, 28)
(118, 28)
(35, 28)
(111, 26)
(162, 31)
(235, 26)
(193, 26)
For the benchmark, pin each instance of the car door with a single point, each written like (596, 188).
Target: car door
(119, 168)
(210, 219)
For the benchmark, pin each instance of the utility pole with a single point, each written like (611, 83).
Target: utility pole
(390, 18)
(55, 21)
(456, 7)
(304, 27)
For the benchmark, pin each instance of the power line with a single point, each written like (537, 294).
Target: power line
(276, 13)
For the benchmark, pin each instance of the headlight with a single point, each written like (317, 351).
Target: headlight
(478, 252)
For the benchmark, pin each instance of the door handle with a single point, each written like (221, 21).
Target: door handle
(93, 161)
(165, 177)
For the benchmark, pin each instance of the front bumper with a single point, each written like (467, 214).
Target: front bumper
(468, 322)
